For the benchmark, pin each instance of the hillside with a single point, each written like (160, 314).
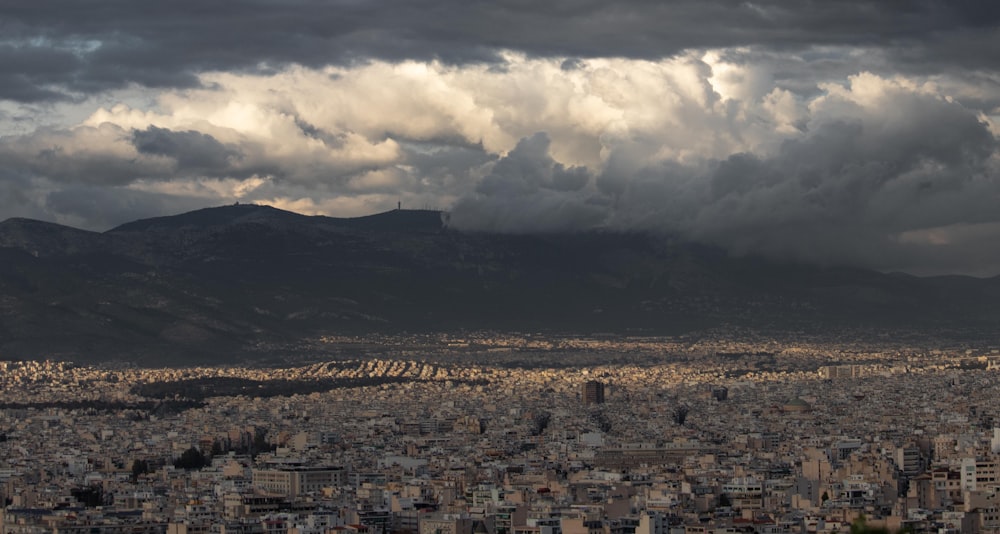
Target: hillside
(219, 283)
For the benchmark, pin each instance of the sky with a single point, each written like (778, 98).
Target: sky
(840, 132)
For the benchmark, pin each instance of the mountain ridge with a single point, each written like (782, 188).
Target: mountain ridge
(220, 283)
(237, 213)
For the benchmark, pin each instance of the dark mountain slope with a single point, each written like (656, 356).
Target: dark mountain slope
(214, 284)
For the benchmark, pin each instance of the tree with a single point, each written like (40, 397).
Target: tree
(541, 422)
(680, 414)
(90, 496)
(191, 459)
(139, 468)
(601, 419)
(260, 443)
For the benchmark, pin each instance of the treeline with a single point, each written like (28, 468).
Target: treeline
(199, 389)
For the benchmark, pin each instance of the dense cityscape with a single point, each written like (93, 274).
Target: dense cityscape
(499, 267)
(530, 434)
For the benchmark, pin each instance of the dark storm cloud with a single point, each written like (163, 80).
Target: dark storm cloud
(844, 193)
(103, 208)
(28, 71)
(193, 151)
(891, 188)
(80, 156)
(18, 196)
(94, 207)
(448, 161)
(529, 169)
(528, 191)
(84, 47)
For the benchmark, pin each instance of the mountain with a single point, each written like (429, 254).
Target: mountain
(219, 283)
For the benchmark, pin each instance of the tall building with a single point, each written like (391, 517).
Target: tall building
(593, 392)
(295, 481)
(980, 474)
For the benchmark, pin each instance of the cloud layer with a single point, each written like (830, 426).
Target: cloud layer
(860, 133)
(64, 47)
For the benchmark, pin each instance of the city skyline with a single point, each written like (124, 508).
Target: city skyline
(489, 432)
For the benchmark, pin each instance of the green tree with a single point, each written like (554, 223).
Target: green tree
(191, 459)
(139, 468)
(680, 414)
(260, 443)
